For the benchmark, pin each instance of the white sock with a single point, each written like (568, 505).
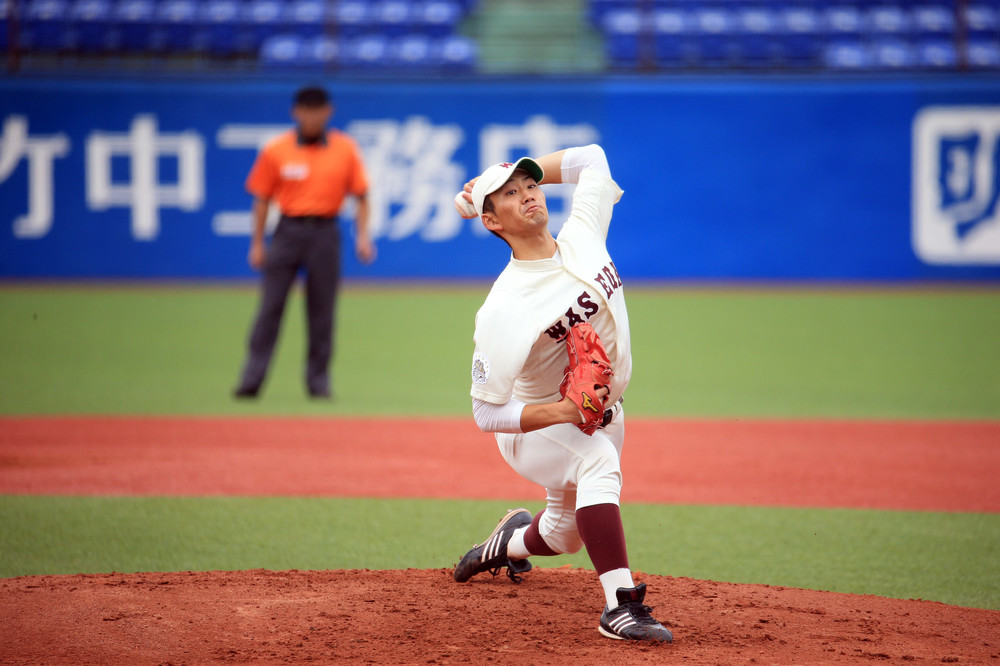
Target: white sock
(612, 580)
(516, 549)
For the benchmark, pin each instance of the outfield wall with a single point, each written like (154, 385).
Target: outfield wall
(723, 179)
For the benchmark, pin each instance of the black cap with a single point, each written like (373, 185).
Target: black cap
(312, 96)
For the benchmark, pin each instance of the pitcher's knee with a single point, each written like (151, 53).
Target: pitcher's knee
(560, 533)
(600, 479)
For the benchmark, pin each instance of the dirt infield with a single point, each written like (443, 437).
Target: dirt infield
(409, 617)
(931, 466)
(423, 617)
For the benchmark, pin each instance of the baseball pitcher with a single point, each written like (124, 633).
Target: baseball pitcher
(552, 360)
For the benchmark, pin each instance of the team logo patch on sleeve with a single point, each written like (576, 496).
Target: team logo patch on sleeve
(480, 368)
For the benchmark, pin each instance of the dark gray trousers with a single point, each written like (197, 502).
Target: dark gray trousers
(312, 246)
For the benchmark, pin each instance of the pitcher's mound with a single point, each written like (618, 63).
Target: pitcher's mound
(424, 617)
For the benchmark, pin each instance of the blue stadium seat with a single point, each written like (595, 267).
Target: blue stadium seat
(135, 20)
(92, 24)
(756, 35)
(982, 20)
(937, 54)
(847, 55)
(261, 20)
(714, 29)
(621, 28)
(177, 23)
(367, 52)
(672, 44)
(801, 32)
(221, 27)
(44, 25)
(282, 51)
(933, 21)
(894, 54)
(413, 52)
(392, 18)
(4, 24)
(599, 9)
(322, 51)
(352, 17)
(889, 20)
(437, 18)
(982, 53)
(456, 53)
(844, 23)
(307, 18)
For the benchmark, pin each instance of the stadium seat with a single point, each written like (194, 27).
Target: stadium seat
(367, 52)
(982, 20)
(261, 20)
(800, 34)
(456, 53)
(714, 29)
(322, 51)
(933, 21)
(889, 20)
(599, 9)
(893, 54)
(135, 20)
(306, 18)
(177, 22)
(91, 22)
(672, 45)
(843, 23)
(933, 54)
(352, 18)
(45, 26)
(437, 18)
(392, 18)
(413, 52)
(220, 20)
(847, 55)
(756, 33)
(982, 54)
(4, 24)
(621, 29)
(282, 51)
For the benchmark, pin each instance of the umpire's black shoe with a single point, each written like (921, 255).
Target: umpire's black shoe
(631, 620)
(245, 393)
(491, 555)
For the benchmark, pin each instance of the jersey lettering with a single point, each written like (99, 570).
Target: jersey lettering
(612, 278)
(600, 280)
(558, 331)
(573, 317)
(589, 306)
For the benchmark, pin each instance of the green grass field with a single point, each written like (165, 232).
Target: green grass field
(698, 353)
(711, 353)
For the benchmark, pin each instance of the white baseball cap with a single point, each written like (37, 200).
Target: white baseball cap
(498, 174)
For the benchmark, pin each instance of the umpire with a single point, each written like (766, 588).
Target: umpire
(308, 172)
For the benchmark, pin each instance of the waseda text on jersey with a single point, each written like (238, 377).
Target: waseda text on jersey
(609, 280)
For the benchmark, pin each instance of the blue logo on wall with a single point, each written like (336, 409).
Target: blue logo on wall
(956, 185)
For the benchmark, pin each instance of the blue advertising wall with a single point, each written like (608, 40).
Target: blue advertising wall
(723, 179)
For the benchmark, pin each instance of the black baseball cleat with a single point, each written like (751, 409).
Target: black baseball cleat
(631, 620)
(491, 555)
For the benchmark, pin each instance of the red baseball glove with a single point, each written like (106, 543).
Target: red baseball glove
(589, 369)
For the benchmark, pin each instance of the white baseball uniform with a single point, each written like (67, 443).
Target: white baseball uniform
(520, 355)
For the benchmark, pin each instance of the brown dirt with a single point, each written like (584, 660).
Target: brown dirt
(406, 617)
(423, 617)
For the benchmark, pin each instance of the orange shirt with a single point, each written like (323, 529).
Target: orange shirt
(308, 179)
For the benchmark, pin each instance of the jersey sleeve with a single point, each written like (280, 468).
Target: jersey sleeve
(358, 185)
(264, 176)
(501, 350)
(593, 202)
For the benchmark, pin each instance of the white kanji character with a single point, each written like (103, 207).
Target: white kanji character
(41, 153)
(144, 145)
